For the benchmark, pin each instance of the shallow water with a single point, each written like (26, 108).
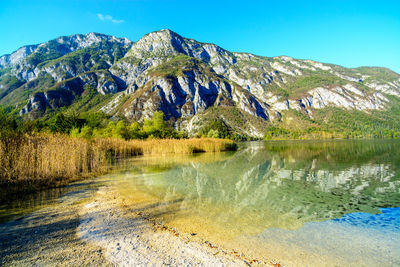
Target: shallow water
(17, 206)
(323, 203)
(301, 203)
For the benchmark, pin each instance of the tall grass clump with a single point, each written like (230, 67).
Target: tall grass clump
(50, 160)
(184, 146)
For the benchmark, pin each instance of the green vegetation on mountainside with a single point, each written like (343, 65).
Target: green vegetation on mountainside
(228, 122)
(8, 83)
(333, 122)
(21, 94)
(177, 65)
(96, 57)
(378, 73)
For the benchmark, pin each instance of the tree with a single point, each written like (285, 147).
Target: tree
(74, 132)
(86, 132)
(156, 126)
(108, 131)
(213, 133)
(64, 123)
(120, 130)
(158, 120)
(134, 131)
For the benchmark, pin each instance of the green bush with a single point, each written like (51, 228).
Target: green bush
(213, 133)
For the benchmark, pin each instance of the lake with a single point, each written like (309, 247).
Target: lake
(298, 202)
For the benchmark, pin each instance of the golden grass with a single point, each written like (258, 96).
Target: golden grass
(44, 160)
(183, 146)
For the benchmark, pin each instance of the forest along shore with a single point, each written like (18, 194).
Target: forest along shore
(33, 162)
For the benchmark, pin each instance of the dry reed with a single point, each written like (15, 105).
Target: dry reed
(183, 146)
(46, 160)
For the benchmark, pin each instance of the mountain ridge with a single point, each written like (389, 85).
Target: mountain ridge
(238, 52)
(184, 78)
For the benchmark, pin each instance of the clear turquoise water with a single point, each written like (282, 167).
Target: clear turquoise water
(303, 203)
(318, 203)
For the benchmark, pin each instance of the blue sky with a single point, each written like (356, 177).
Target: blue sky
(348, 33)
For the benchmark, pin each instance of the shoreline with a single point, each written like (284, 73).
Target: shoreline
(146, 240)
(105, 229)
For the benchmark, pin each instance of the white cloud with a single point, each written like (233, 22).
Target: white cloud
(109, 18)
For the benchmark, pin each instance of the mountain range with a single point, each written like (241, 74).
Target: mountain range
(195, 84)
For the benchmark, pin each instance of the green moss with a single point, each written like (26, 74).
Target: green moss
(5, 71)
(131, 60)
(230, 122)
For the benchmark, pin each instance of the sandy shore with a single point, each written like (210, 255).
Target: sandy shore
(130, 238)
(104, 229)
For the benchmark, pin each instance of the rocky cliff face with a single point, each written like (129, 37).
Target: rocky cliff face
(184, 78)
(66, 91)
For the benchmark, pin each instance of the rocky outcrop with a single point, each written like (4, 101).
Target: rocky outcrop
(64, 93)
(177, 97)
(347, 97)
(39, 102)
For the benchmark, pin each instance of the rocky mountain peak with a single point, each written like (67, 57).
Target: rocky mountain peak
(166, 43)
(78, 41)
(161, 43)
(59, 46)
(17, 56)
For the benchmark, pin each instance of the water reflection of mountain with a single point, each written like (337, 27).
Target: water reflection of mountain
(285, 184)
